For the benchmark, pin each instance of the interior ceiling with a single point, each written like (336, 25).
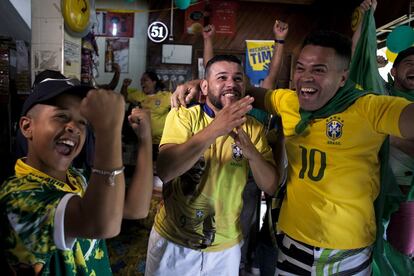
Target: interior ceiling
(11, 23)
(388, 15)
(387, 10)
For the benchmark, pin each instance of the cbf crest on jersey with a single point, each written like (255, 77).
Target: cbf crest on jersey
(237, 152)
(158, 103)
(199, 213)
(334, 128)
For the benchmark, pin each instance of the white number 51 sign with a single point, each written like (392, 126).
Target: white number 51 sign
(157, 32)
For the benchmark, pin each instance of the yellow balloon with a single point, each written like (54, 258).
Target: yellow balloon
(76, 14)
(390, 55)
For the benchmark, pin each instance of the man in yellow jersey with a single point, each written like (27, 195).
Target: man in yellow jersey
(152, 97)
(206, 152)
(333, 134)
(399, 231)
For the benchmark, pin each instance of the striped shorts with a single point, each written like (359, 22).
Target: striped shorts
(297, 258)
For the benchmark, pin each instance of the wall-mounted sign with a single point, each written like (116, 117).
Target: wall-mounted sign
(157, 32)
(224, 17)
(116, 51)
(194, 18)
(119, 24)
(176, 53)
(114, 24)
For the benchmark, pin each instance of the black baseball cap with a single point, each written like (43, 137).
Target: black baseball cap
(402, 55)
(50, 88)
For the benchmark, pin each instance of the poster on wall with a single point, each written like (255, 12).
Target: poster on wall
(176, 53)
(223, 17)
(194, 18)
(172, 76)
(114, 24)
(46, 58)
(72, 56)
(120, 24)
(258, 57)
(117, 51)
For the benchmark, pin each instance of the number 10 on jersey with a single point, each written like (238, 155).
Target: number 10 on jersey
(310, 160)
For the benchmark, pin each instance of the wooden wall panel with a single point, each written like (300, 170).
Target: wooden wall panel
(255, 21)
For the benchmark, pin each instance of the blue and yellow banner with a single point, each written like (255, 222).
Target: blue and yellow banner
(258, 56)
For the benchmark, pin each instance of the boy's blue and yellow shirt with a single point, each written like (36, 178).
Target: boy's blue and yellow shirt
(28, 203)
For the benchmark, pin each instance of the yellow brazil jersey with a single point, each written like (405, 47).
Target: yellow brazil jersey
(333, 173)
(158, 103)
(202, 207)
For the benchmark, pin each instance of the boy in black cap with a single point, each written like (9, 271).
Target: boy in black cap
(50, 222)
(84, 160)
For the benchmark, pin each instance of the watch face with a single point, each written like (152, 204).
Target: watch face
(76, 14)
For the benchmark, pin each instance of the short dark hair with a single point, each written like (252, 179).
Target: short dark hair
(402, 55)
(217, 58)
(159, 85)
(331, 39)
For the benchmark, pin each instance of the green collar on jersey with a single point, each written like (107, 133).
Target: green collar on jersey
(345, 97)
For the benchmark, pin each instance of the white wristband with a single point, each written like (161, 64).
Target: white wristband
(111, 174)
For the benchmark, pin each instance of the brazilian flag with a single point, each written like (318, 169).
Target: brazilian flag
(364, 72)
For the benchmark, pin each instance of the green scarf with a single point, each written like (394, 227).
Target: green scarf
(364, 69)
(345, 96)
(409, 95)
(386, 259)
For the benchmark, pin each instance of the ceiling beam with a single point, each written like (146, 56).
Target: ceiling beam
(385, 30)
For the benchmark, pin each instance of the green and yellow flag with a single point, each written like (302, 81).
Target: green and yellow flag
(364, 69)
(364, 72)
